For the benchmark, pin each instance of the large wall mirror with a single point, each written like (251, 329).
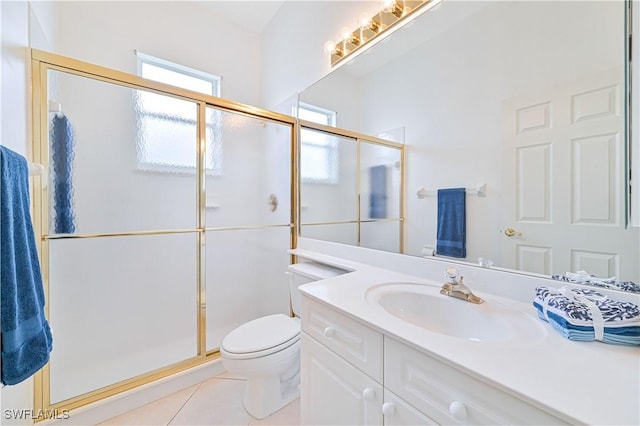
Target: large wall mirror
(525, 97)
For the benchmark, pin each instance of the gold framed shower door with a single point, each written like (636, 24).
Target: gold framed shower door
(41, 63)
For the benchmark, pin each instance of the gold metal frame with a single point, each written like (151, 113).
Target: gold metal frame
(41, 63)
(359, 138)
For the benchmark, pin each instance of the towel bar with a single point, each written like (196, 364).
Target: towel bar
(36, 169)
(480, 191)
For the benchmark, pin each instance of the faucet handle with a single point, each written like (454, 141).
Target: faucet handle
(452, 275)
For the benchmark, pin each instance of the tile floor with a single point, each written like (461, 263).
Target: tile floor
(217, 401)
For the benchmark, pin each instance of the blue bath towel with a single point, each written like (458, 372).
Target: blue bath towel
(378, 194)
(452, 223)
(62, 160)
(26, 338)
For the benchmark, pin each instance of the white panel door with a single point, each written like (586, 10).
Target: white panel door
(565, 181)
(334, 392)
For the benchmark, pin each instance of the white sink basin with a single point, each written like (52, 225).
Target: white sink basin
(424, 306)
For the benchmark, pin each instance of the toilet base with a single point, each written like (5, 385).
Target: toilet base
(264, 396)
(272, 381)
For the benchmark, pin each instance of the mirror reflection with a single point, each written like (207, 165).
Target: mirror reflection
(350, 189)
(525, 98)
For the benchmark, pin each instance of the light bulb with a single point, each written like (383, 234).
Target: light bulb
(345, 33)
(393, 7)
(329, 46)
(363, 20)
(388, 5)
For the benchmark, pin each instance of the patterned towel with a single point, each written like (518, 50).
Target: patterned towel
(583, 277)
(585, 315)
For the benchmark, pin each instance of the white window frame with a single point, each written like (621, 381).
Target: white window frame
(213, 162)
(330, 145)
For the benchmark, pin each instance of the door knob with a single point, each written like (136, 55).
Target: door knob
(510, 232)
(329, 331)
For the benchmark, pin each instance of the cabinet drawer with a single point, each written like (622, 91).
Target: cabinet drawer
(449, 396)
(355, 342)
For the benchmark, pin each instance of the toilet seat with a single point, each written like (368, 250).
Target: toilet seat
(261, 337)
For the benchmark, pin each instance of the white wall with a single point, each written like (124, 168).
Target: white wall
(15, 76)
(107, 33)
(293, 44)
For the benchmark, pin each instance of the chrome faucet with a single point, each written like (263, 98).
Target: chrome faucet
(455, 288)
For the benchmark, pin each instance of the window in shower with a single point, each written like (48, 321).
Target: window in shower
(318, 152)
(157, 113)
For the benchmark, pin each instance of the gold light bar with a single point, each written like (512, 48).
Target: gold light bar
(394, 14)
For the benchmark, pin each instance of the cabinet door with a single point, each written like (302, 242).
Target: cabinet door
(333, 392)
(397, 412)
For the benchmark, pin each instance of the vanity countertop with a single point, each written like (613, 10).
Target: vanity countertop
(580, 382)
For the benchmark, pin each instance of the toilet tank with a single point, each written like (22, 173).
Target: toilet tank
(306, 272)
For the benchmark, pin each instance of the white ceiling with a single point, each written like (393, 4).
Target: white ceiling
(253, 15)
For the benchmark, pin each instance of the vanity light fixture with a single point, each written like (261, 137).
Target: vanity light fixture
(393, 15)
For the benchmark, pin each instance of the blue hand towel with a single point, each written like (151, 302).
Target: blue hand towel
(62, 159)
(26, 338)
(378, 195)
(452, 223)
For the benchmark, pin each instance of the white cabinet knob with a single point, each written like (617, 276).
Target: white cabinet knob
(329, 331)
(458, 410)
(388, 408)
(368, 394)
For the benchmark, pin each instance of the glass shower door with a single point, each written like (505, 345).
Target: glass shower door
(121, 233)
(248, 220)
(164, 221)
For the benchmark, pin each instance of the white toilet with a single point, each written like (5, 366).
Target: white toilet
(266, 351)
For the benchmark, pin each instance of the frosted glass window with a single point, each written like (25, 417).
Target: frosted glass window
(319, 152)
(330, 203)
(96, 186)
(156, 112)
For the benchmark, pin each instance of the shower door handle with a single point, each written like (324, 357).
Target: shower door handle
(273, 202)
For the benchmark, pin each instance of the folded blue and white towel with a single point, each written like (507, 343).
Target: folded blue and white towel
(585, 315)
(583, 277)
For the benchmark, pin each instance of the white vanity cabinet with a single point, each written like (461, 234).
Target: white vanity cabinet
(334, 392)
(342, 372)
(345, 379)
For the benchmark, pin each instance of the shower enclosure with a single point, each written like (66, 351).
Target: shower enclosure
(164, 223)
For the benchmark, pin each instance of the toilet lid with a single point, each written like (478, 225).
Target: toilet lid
(261, 334)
